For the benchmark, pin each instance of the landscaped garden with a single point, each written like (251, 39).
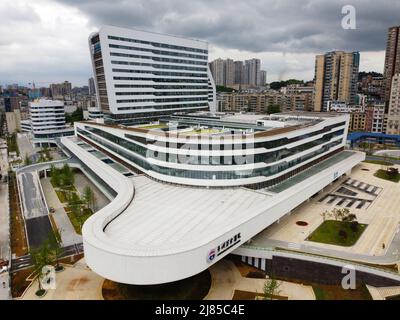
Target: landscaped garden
(344, 230)
(78, 207)
(391, 174)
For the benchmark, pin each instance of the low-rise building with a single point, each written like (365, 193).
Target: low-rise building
(48, 119)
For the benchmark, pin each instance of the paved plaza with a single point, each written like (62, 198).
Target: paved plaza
(226, 278)
(76, 282)
(81, 182)
(381, 211)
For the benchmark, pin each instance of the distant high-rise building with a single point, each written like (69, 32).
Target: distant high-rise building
(218, 71)
(61, 90)
(229, 72)
(392, 60)
(393, 116)
(263, 78)
(252, 68)
(239, 72)
(92, 88)
(336, 75)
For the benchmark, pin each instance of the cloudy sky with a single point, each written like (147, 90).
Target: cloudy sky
(46, 40)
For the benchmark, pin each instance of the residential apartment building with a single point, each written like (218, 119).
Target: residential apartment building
(238, 73)
(336, 75)
(61, 90)
(92, 87)
(263, 78)
(393, 116)
(252, 69)
(259, 102)
(392, 60)
(218, 71)
(142, 76)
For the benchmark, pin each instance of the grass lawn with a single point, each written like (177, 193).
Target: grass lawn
(384, 175)
(381, 162)
(62, 196)
(78, 222)
(193, 288)
(328, 232)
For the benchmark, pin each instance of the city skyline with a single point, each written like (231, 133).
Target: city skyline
(285, 51)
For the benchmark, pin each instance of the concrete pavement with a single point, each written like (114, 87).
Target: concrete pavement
(24, 145)
(226, 278)
(382, 217)
(81, 182)
(74, 283)
(64, 225)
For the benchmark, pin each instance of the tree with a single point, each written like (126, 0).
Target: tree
(276, 85)
(67, 176)
(55, 176)
(75, 203)
(41, 257)
(271, 288)
(55, 242)
(27, 160)
(273, 108)
(224, 89)
(77, 115)
(342, 234)
(326, 214)
(89, 197)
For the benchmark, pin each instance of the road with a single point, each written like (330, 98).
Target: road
(24, 145)
(39, 230)
(382, 159)
(4, 222)
(4, 240)
(31, 195)
(24, 262)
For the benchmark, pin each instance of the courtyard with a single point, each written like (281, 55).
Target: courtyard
(374, 201)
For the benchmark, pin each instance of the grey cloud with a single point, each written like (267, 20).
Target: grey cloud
(254, 25)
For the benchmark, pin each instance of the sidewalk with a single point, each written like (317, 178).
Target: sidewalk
(4, 239)
(68, 234)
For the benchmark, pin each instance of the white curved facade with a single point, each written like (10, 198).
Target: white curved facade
(155, 232)
(222, 158)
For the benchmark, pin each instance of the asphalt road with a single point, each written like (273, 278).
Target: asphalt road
(38, 230)
(382, 159)
(32, 198)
